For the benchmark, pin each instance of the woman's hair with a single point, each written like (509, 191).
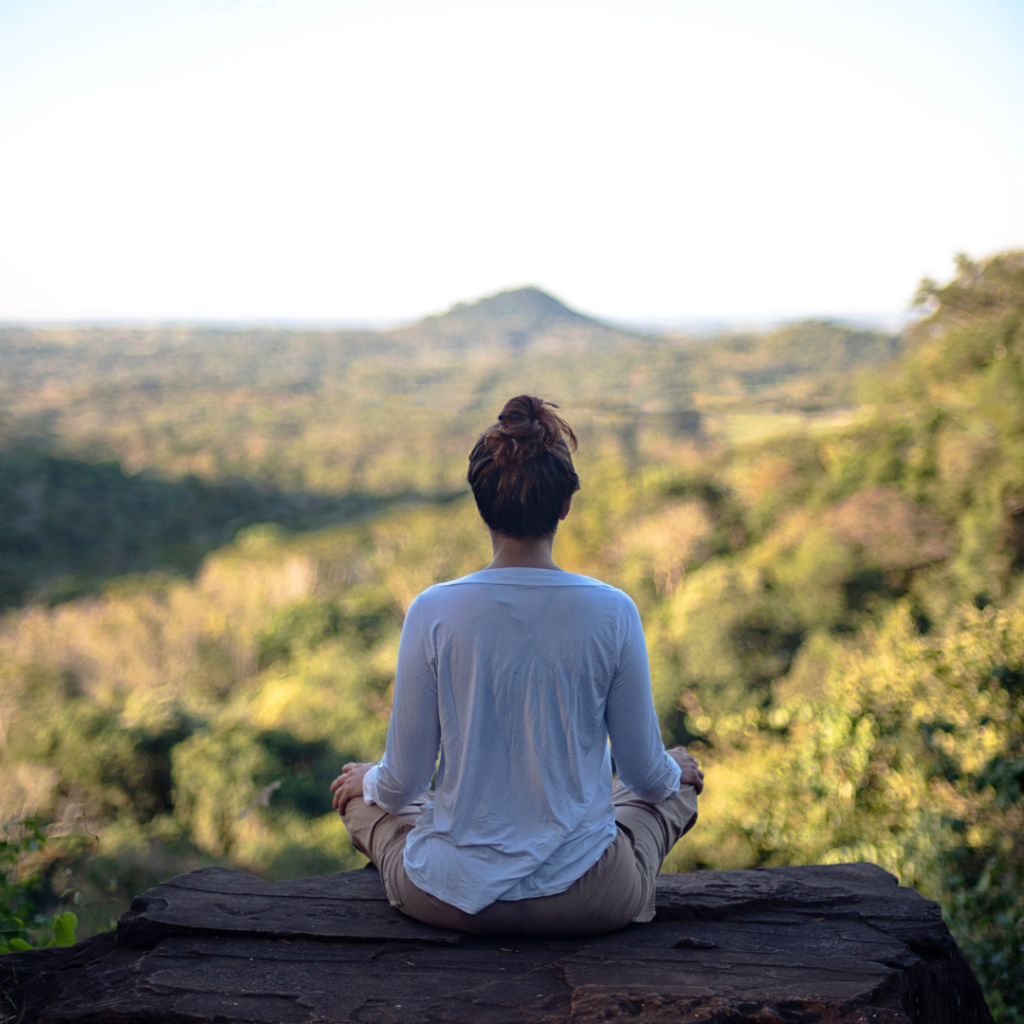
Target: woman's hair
(521, 471)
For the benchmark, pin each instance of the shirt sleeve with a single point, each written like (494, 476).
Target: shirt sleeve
(644, 767)
(414, 732)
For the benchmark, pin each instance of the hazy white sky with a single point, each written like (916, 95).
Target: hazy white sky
(381, 159)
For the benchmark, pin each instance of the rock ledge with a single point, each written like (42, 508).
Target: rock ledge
(841, 943)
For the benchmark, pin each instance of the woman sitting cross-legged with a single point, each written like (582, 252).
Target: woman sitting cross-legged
(519, 674)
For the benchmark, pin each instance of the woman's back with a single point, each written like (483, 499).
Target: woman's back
(520, 674)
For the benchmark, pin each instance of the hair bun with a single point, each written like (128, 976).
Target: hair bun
(521, 469)
(526, 427)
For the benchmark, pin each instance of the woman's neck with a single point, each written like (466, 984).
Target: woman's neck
(521, 552)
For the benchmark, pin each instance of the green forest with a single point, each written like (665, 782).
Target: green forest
(209, 538)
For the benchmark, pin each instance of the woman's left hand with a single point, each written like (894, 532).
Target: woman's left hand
(689, 773)
(349, 784)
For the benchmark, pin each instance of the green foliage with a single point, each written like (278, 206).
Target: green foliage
(217, 776)
(21, 927)
(807, 365)
(66, 524)
(223, 777)
(300, 627)
(732, 633)
(912, 757)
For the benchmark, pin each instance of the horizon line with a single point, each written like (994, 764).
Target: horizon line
(891, 321)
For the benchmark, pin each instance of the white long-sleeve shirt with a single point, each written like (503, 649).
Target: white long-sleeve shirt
(520, 677)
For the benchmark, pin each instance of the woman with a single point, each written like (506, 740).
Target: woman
(520, 674)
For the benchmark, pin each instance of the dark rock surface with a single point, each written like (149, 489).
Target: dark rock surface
(841, 943)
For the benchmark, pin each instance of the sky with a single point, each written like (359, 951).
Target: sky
(364, 161)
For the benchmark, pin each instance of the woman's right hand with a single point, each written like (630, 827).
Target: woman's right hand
(349, 784)
(690, 774)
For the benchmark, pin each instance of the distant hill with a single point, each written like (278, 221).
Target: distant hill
(810, 365)
(525, 325)
(525, 320)
(520, 321)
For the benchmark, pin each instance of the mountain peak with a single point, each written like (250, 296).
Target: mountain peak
(518, 319)
(529, 302)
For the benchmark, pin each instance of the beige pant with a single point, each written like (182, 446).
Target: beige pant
(618, 889)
